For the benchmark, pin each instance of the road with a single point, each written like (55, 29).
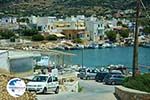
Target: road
(91, 91)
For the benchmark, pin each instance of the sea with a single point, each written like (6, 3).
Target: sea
(96, 58)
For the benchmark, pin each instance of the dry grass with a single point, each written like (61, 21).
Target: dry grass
(4, 95)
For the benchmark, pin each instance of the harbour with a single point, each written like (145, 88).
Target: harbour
(104, 57)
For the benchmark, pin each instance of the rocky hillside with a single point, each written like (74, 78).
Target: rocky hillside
(64, 7)
(4, 95)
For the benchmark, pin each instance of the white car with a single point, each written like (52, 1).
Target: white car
(43, 84)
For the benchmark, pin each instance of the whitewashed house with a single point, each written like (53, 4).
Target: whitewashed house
(43, 24)
(4, 63)
(13, 61)
(9, 20)
(95, 27)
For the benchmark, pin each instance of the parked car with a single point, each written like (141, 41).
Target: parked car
(114, 79)
(100, 76)
(43, 84)
(87, 74)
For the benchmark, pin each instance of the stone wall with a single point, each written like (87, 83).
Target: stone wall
(129, 94)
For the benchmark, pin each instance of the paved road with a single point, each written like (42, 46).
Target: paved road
(91, 91)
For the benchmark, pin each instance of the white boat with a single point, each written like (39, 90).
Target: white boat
(106, 45)
(93, 46)
(44, 61)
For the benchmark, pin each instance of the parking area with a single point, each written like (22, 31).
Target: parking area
(91, 90)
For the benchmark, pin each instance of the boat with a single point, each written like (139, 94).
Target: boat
(45, 61)
(106, 45)
(146, 45)
(119, 67)
(79, 46)
(93, 46)
(59, 48)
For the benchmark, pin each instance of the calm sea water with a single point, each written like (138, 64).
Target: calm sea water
(107, 56)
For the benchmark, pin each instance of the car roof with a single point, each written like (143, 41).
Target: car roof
(116, 71)
(43, 75)
(102, 72)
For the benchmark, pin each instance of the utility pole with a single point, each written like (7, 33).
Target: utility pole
(135, 51)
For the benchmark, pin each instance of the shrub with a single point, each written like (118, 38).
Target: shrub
(29, 32)
(124, 33)
(38, 37)
(7, 34)
(146, 30)
(80, 89)
(78, 40)
(51, 37)
(141, 82)
(111, 35)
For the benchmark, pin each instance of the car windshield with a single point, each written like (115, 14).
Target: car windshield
(40, 78)
(82, 70)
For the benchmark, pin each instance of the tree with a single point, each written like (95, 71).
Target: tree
(7, 34)
(146, 30)
(144, 22)
(119, 23)
(78, 40)
(29, 32)
(51, 37)
(38, 37)
(124, 33)
(111, 35)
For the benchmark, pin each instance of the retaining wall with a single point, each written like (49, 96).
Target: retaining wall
(129, 94)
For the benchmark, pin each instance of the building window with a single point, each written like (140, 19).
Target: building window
(69, 35)
(39, 28)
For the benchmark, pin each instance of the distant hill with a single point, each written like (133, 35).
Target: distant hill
(64, 7)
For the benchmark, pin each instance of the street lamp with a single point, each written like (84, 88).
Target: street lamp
(82, 57)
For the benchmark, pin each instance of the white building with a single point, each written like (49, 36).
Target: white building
(70, 23)
(4, 64)
(13, 61)
(48, 24)
(43, 24)
(95, 27)
(9, 20)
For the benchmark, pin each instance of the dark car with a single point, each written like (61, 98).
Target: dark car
(100, 76)
(114, 79)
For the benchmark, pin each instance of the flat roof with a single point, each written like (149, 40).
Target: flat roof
(3, 51)
(16, 54)
(22, 54)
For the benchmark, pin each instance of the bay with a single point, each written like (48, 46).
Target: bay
(107, 56)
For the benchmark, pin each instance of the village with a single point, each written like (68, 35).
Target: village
(75, 32)
(35, 47)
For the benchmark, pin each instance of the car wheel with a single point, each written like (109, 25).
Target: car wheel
(104, 82)
(97, 80)
(57, 90)
(44, 90)
(113, 82)
(87, 78)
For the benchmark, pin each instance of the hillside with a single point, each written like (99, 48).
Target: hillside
(64, 7)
